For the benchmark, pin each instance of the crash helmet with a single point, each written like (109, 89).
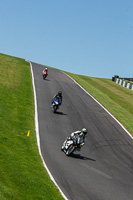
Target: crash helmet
(46, 69)
(60, 93)
(84, 131)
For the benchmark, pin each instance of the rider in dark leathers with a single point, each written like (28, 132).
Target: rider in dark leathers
(58, 97)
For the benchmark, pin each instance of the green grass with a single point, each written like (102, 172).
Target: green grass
(115, 98)
(23, 176)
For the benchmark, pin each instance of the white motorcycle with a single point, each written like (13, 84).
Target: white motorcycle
(69, 146)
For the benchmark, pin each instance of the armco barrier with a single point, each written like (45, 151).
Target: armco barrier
(123, 83)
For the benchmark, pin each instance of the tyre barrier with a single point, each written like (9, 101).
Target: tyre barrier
(122, 82)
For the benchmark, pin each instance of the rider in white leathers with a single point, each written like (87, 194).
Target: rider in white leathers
(79, 137)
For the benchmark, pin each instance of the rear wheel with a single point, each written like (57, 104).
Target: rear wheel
(55, 108)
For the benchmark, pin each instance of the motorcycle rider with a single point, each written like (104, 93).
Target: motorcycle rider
(58, 96)
(45, 71)
(79, 137)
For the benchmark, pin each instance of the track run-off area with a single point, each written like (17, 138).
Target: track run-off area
(103, 169)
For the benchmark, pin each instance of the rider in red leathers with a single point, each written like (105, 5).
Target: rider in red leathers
(45, 72)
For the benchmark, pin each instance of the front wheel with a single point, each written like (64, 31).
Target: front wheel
(70, 150)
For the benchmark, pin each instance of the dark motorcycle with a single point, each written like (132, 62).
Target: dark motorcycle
(55, 105)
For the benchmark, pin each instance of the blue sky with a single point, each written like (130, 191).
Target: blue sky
(88, 37)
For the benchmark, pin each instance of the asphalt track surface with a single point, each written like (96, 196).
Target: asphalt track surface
(103, 169)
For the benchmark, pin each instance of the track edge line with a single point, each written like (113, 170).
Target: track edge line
(101, 106)
(37, 134)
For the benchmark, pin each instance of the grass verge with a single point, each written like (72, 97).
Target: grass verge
(23, 176)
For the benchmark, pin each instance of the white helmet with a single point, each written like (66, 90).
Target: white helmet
(84, 130)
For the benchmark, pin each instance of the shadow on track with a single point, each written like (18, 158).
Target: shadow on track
(78, 156)
(59, 113)
(46, 79)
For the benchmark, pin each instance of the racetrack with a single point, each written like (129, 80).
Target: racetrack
(102, 170)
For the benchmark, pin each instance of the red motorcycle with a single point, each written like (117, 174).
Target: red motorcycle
(45, 74)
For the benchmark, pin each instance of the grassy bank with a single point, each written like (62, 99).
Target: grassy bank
(23, 176)
(117, 99)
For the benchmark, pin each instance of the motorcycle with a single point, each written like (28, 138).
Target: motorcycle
(45, 74)
(69, 146)
(55, 105)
